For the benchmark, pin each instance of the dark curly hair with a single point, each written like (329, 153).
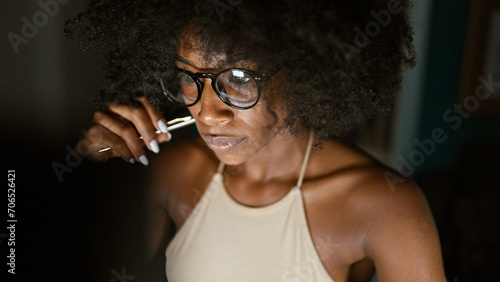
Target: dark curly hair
(342, 60)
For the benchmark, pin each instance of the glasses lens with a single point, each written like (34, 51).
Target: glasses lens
(182, 89)
(238, 88)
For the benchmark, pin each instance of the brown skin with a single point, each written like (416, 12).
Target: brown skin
(353, 213)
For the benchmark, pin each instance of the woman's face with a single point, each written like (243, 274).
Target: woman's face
(234, 135)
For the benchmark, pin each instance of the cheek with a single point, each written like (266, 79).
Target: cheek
(267, 117)
(193, 110)
(272, 111)
(274, 99)
(261, 118)
(263, 124)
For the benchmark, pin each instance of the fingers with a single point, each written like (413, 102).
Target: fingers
(123, 140)
(136, 120)
(145, 120)
(159, 122)
(119, 129)
(98, 137)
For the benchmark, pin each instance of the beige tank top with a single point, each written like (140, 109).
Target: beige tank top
(222, 240)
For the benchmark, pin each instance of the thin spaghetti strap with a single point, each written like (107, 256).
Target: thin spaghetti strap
(306, 159)
(221, 167)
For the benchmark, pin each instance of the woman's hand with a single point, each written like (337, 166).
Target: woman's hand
(119, 128)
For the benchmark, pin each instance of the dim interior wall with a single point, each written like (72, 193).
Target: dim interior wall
(46, 82)
(446, 53)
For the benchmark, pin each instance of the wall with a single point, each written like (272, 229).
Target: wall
(446, 51)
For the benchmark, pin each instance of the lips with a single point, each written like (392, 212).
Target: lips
(223, 143)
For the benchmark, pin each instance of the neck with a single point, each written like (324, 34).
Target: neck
(280, 160)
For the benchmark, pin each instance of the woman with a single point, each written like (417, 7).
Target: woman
(268, 191)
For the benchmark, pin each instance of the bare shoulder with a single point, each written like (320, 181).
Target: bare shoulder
(368, 186)
(180, 165)
(387, 197)
(377, 213)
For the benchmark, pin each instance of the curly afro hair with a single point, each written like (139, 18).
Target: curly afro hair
(343, 61)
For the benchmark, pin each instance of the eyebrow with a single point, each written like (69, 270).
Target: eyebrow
(229, 59)
(186, 61)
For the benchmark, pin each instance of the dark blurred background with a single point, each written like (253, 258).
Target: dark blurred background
(83, 223)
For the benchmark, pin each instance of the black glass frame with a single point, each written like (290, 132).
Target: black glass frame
(258, 77)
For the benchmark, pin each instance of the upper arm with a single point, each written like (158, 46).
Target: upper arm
(159, 225)
(176, 173)
(402, 238)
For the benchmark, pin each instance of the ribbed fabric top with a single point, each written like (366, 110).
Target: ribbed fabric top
(222, 240)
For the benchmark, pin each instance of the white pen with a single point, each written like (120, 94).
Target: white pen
(171, 125)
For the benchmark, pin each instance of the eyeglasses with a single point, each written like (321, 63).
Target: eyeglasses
(238, 88)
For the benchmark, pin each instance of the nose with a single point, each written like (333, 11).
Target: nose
(211, 109)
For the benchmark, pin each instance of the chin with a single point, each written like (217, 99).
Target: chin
(237, 156)
(231, 159)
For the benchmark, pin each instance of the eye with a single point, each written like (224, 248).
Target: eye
(238, 78)
(185, 79)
